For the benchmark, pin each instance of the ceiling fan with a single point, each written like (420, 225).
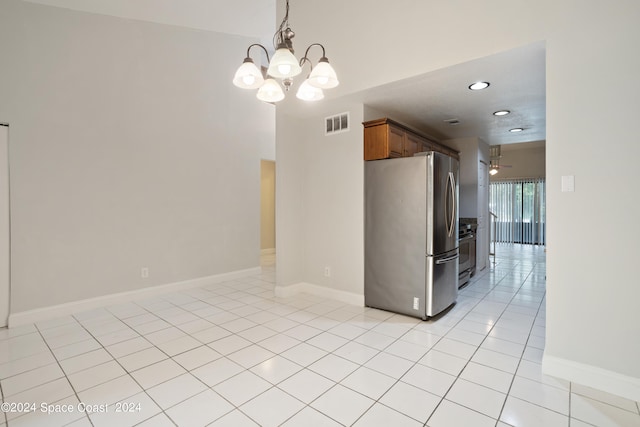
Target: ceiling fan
(494, 160)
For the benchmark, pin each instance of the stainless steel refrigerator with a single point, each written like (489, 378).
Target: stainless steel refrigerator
(411, 234)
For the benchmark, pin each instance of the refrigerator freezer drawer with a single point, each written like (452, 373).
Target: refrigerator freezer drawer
(442, 282)
(401, 293)
(398, 289)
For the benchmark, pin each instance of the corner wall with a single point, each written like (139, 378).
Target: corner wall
(320, 208)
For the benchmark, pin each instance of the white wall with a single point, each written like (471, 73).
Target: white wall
(267, 205)
(522, 161)
(334, 199)
(291, 222)
(243, 17)
(5, 236)
(468, 176)
(321, 186)
(474, 198)
(130, 149)
(592, 96)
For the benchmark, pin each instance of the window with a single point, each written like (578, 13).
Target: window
(520, 209)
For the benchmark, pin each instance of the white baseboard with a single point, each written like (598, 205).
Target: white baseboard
(592, 376)
(54, 311)
(322, 291)
(268, 251)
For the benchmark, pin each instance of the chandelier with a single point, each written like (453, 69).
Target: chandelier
(284, 66)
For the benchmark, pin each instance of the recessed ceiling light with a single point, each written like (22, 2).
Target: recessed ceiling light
(479, 85)
(516, 130)
(501, 113)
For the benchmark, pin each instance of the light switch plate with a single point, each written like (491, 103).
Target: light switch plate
(568, 183)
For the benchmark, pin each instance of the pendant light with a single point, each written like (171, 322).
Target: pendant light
(323, 76)
(270, 91)
(248, 75)
(285, 66)
(306, 92)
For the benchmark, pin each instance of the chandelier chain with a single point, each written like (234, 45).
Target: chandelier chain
(279, 38)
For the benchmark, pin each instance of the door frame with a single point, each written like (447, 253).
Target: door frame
(5, 224)
(267, 207)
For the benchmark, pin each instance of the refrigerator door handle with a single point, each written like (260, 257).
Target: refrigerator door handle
(452, 187)
(448, 259)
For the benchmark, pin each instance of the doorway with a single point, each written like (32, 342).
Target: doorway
(267, 212)
(520, 207)
(4, 226)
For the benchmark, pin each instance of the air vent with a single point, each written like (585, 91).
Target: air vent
(336, 124)
(452, 122)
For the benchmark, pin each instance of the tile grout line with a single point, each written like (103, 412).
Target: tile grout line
(570, 398)
(524, 349)
(163, 410)
(79, 322)
(442, 398)
(272, 386)
(328, 353)
(144, 390)
(478, 347)
(63, 372)
(4, 414)
(247, 369)
(359, 364)
(129, 373)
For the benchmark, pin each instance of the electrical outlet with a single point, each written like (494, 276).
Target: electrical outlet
(327, 272)
(144, 272)
(416, 303)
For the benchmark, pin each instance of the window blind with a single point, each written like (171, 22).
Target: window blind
(519, 205)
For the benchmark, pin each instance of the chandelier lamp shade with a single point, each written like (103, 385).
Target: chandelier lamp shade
(270, 91)
(248, 75)
(306, 92)
(285, 66)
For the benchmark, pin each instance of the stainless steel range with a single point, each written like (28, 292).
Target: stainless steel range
(467, 246)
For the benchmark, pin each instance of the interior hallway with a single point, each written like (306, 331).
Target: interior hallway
(232, 354)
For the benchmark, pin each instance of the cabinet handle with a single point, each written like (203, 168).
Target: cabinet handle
(452, 187)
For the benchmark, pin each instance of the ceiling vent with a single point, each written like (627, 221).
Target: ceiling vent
(452, 122)
(336, 124)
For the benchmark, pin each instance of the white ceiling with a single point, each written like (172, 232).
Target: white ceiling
(517, 77)
(252, 18)
(517, 80)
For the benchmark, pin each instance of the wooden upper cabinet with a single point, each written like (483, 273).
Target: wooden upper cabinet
(384, 139)
(396, 142)
(413, 144)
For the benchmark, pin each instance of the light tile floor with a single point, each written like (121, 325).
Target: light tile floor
(231, 354)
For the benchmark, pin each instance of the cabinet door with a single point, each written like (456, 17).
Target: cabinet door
(376, 143)
(427, 145)
(412, 145)
(396, 142)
